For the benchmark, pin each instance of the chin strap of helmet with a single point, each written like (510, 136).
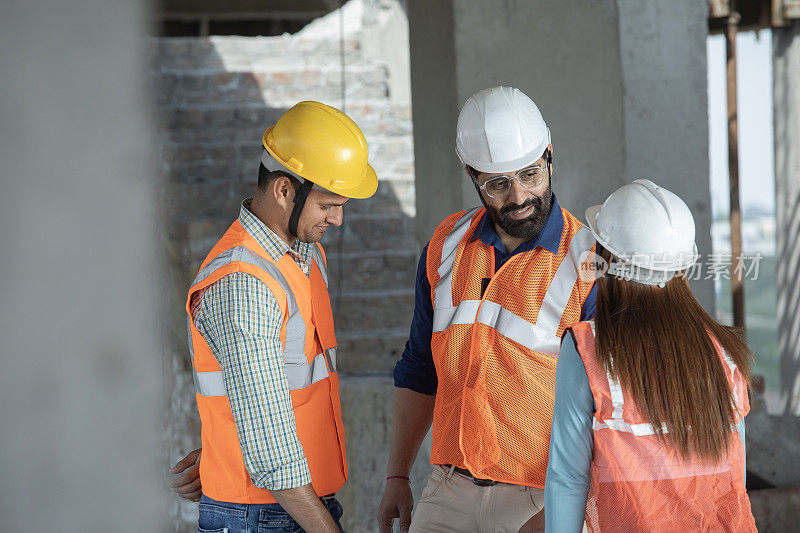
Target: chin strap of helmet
(548, 158)
(299, 202)
(474, 175)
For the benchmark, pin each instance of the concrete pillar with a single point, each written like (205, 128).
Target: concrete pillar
(80, 377)
(786, 101)
(435, 97)
(622, 85)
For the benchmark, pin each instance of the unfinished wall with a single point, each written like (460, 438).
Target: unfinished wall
(216, 97)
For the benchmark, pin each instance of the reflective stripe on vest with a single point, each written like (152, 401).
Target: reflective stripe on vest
(541, 335)
(299, 374)
(444, 298)
(616, 422)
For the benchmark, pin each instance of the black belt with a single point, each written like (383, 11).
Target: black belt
(475, 480)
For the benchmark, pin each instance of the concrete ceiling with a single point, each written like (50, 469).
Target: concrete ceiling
(250, 8)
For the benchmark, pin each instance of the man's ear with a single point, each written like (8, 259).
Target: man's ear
(283, 191)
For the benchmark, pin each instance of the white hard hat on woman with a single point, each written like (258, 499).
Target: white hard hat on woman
(648, 229)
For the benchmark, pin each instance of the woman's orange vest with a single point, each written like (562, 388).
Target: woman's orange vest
(495, 342)
(310, 364)
(638, 483)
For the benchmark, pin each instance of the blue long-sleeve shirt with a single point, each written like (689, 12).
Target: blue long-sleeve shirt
(571, 444)
(416, 370)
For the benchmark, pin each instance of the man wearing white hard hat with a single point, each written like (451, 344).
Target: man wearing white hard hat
(651, 395)
(496, 287)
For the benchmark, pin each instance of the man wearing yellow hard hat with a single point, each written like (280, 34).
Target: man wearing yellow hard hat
(262, 340)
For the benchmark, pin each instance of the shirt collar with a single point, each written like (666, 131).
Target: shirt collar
(274, 245)
(549, 238)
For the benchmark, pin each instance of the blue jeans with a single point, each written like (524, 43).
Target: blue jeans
(224, 517)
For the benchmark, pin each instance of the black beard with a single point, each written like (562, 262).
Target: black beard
(528, 227)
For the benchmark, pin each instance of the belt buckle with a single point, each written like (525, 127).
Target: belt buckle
(483, 482)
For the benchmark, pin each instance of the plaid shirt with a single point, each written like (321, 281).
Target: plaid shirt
(240, 319)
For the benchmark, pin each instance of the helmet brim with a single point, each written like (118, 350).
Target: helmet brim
(364, 189)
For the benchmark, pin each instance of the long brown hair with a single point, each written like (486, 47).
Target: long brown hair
(656, 342)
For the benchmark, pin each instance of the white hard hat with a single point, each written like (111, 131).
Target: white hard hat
(500, 130)
(649, 230)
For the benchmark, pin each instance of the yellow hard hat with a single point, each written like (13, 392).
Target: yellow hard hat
(323, 145)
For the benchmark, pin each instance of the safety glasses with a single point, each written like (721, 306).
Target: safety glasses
(529, 178)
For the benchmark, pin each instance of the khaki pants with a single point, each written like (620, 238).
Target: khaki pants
(452, 503)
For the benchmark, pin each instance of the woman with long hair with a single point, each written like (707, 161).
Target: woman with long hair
(648, 430)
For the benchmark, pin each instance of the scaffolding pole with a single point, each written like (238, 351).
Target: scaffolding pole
(737, 280)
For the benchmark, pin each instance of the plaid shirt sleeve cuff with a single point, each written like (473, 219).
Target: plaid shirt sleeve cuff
(288, 476)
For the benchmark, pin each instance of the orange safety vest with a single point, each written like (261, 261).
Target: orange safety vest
(309, 345)
(495, 350)
(638, 483)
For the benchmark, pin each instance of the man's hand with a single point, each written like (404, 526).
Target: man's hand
(187, 485)
(411, 419)
(397, 502)
(535, 524)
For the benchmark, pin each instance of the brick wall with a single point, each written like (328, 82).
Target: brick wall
(215, 97)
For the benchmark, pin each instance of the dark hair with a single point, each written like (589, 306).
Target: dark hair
(265, 177)
(665, 358)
